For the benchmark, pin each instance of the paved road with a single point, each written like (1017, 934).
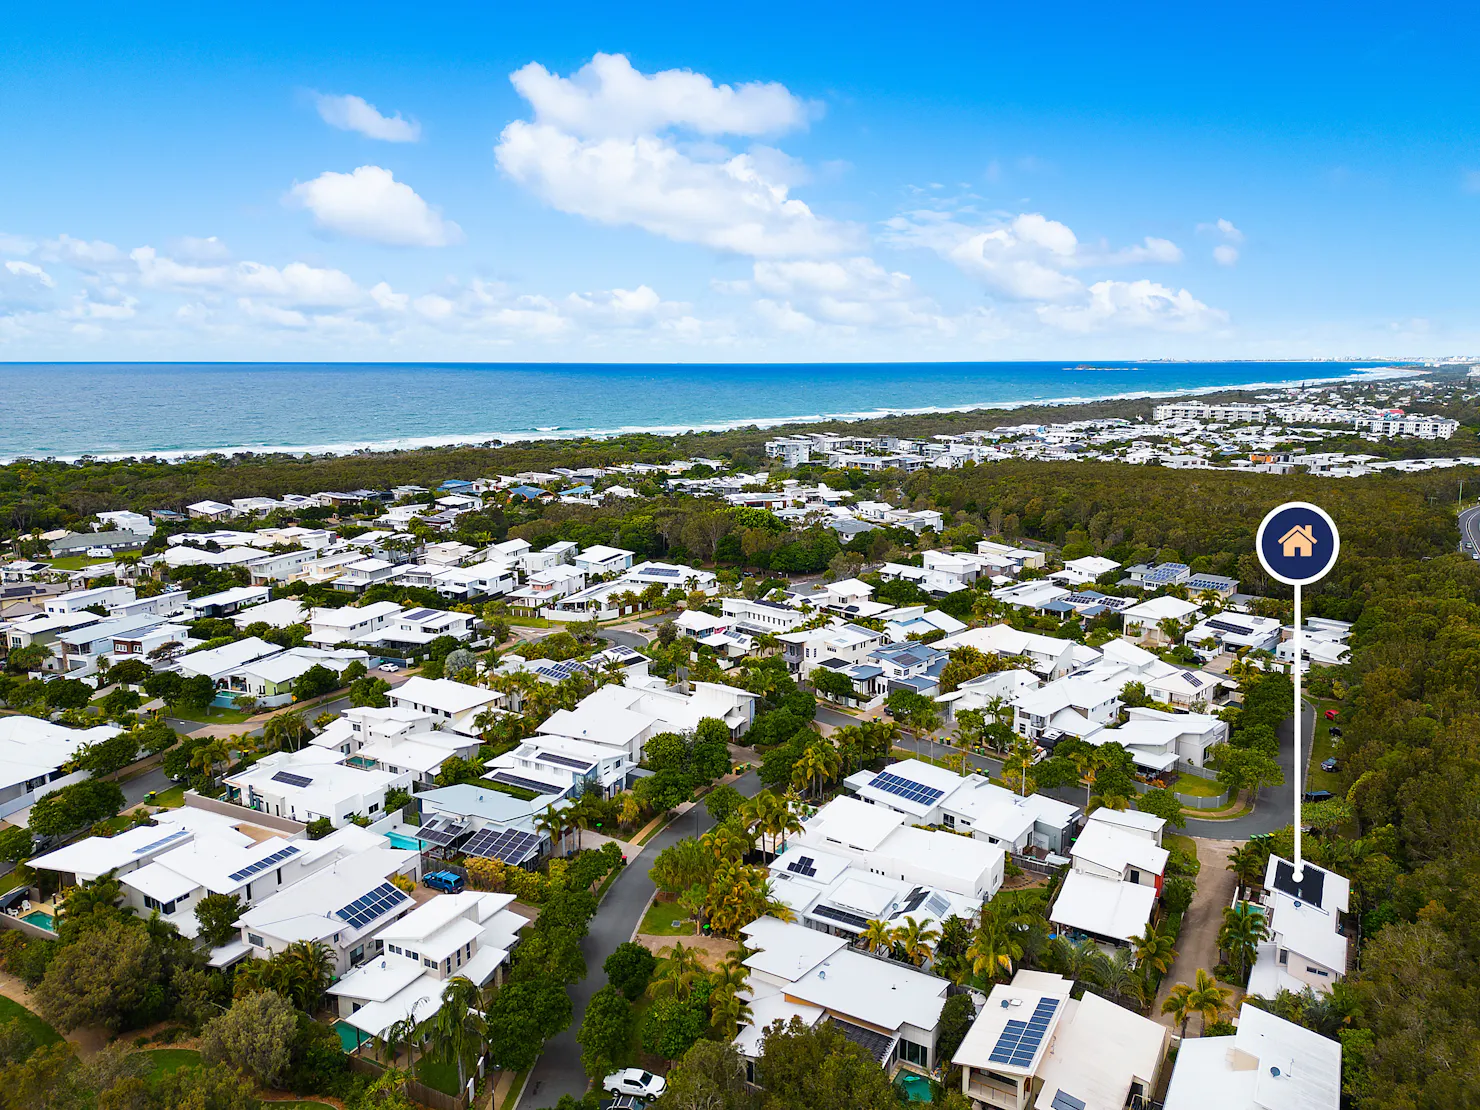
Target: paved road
(138, 787)
(624, 637)
(1273, 811)
(559, 1071)
(1469, 528)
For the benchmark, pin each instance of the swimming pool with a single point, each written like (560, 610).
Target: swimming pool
(41, 919)
(401, 840)
(916, 1088)
(350, 1038)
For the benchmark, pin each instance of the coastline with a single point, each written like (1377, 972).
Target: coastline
(556, 433)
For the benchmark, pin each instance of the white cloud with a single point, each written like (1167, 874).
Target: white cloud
(16, 244)
(387, 298)
(296, 283)
(596, 148)
(272, 314)
(209, 249)
(352, 113)
(80, 252)
(1231, 233)
(1133, 304)
(849, 293)
(371, 204)
(1225, 255)
(608, 98)
(31, 270)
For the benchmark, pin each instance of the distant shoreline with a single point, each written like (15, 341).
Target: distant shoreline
(558, 433)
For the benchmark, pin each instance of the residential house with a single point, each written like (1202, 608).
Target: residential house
(466, 935)
(1085, 571)
(891, 1009)
(1159, 741)
(282, 613)
(217, 663)
(311, 784)
(210, 510)
(1144, 621)
(761, 617)
(1307, 944)
(79, 543)
(1268, 1064)
(454, 705)
(343, 907)
(1035, 1045)
(1048, 656)
(835, 643)
(600, 559)
(123, 520)
(75, 601)
(352, 624)
(270, 679)
(227, 602)
(1071, 706)
(34, 755)
(1113, 886)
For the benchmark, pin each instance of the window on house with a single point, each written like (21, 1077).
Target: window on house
(912, 1053)
(256, 941)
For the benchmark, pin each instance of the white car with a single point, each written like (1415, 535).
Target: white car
(635, 1081)
(390, 668)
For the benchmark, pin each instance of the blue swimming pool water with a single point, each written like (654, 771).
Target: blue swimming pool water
(401, 840)
(916, 1088)
(350, 1038)
(41, 919)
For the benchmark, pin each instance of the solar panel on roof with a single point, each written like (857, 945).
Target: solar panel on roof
(369, 907)
(1226, 626)
(512, 846)
(906, 789)
(567, 761)
(176, 835)
(291, 779)
(264, 863)
(1062, 1100)
(1019, 1041)
(803, 865)
(441, 831)
(937, 904)
(524, 783)
(832, 913)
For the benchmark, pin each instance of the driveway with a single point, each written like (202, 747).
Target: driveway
(559, 1071)
(1197, 946)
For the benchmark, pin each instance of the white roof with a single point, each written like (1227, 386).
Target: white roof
(1307, 930)
(351, 615)
(1110, 846)
(1269, 1064)
(1012, 1002)
(1105, 907)
(228, 657)
(785, 949)
(279, 614)
(1099, 1051)
(95, 855)
(875, 992)
(443, 693)
(853, 823)
(607, 726)
(600, 553)
(1159, 609)
(1130, 819)
(305, 910)
(769, 1008)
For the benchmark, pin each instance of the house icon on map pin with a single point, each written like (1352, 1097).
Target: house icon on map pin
(1298, 541)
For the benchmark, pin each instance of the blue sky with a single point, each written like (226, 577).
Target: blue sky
(837, 182)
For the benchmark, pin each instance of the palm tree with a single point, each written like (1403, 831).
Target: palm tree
(877, 935)
(552, 823)
(1075, 959)
(457, 1027)
(1086, 762)
(678, 975)
(1179, 1004)
(1209, 999)
(206, 757)
(1247, 864)
(284, 730)
(729, 1009)
(993, 949)
(1120, 981)
(1018, 762)
(1118, 802)
(1154, 950)
(311, 964)
(917, 939)
(1243, 931)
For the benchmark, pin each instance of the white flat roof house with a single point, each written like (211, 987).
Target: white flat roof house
(227, 602)
(74, 601)
(217, 663)
(1034, 1045)
(454, 705)
(351, 624)
(1268, 1064)
(1159, 741)
(1047, 655)
(1073, 706)
(466, 935)
(281, 613)
(83, 861)
(893, 1010)
(1082, 572)
(1307, 945)
(1142, 622)
(312, 783)
(600, 559)
(33, 754)
(344, 905)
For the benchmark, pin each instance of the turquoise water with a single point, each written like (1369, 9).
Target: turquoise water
(41, 919)
(45, 409)
(350, 1038)
(915, 1087)
(401, 840)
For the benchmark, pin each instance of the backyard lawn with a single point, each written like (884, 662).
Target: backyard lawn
(659, 921)
(440, 1075)
(173, 798)
(1195, 786)
(40, 1031)
(77, 562)
(1182, 844)
(166, 1061)
(211, 715)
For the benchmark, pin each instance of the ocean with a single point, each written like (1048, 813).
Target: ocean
(174, 409)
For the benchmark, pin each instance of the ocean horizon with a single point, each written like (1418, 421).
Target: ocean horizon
(172, 410)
